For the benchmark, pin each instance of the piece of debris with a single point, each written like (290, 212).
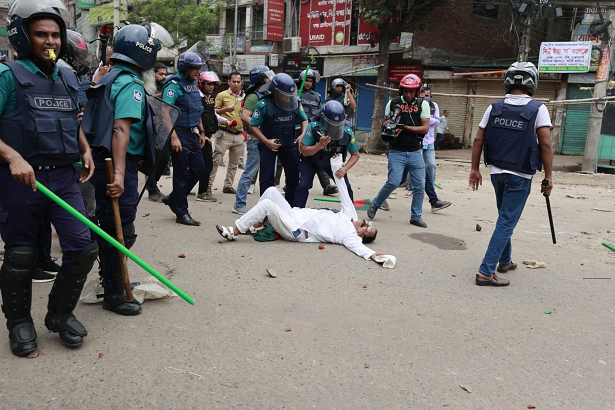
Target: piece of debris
(147, 214)
(601, 210)
(34, 354)
(220, 241)
(466, 388)
(585, 233)
(535, 264)
(181, 255)
(548, 312)
(288, 329)
(602, 362)
(364, 286)
(321, 246)
(531, 406)
(271, 273)
(100, 355)
(478, 228)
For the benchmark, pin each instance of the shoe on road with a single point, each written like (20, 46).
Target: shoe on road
(187, 220)
(40, 276)
(50, 265)
(239, 211)
(229, 190)
(508, 267)
(418, 222)
(371, 212)
(440, 205)
(492, 280)
(385, 206)
(330, 190)
(206, 197)
(155, 196)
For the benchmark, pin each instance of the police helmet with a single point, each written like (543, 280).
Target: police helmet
(310, 74)
(22, 12)
(187, 60)
(77, 54)
(134, 44)
(521, 74)
(284, 91)
(259, 73)
(334, 116)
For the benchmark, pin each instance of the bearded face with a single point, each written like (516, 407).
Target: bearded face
(149, 81)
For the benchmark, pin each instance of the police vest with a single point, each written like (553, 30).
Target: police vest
(310, 102)
(84, 84)
(190, 106)
(208, 117)
(43, 126)
(99, 116)
(322, 158)
(339, 99)
(260, 97)
(510, 137)
(410, 115)
(279, 123)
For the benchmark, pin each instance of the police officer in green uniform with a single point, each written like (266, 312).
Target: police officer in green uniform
(341, 92)
(326, 136)
(119, 124)
(273, 123)
(188, 138)
(40, 139)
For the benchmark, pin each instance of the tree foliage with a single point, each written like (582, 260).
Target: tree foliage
(184, 19)
(391, 17)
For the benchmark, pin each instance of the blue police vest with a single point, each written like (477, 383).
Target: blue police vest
(510, 137)
(310, 102)
(190, 106)
(279, 123)
(410, 115)
(322, 158)
(99, 115)
(43, 126)
(84, 84)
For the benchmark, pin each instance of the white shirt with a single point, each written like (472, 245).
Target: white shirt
(542, 120)
(332, 227)
(443, 125)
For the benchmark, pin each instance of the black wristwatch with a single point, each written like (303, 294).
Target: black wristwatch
(201, 132)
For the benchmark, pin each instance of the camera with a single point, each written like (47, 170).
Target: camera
(389, 129)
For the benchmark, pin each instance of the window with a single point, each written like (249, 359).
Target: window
(485, 8)
(258, 16)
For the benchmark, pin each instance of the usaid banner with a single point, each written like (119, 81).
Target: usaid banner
(565, 57)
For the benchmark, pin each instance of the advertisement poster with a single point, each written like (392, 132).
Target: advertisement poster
(275, 20)
(325, 22)
(397, 72)
(565, 57)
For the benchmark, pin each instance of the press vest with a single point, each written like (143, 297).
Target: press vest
(279, 123)
(208, 117)
(43, 126)
(99, 116)
(190, 106)
(322, 158)
(510, 137)
(310, 102)
(410, 115)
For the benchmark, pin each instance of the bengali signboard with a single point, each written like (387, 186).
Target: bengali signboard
(275, 20)
(397, 72)
(565, 57)
(103, 14)
(294, 65)
(368, 32)
(602, 74)
(582, 78)
(363, 62)
(325, 22)
(86, 4)
(437, 74)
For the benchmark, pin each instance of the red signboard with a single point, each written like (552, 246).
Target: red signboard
(275, 20)
(325, 22)
(367, 31)
(397, 72)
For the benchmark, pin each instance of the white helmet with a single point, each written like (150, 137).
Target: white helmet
(521, 74)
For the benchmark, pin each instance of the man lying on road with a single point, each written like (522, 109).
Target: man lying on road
(310, 225)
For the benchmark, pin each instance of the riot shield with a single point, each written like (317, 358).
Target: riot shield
(164, 117)
(201, 49)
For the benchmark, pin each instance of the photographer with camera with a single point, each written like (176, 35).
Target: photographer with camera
(326, 136)
(406, 123)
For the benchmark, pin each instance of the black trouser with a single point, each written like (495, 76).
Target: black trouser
(152, 181)
(208, 157)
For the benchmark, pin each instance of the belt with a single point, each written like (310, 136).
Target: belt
(231, 132)
(184, 128)
(46, 167)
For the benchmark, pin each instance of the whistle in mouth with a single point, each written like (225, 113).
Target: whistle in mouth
(52, 55)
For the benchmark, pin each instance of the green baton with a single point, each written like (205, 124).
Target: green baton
(113, 241)
(303, 81)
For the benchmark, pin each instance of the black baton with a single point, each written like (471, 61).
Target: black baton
(546, 183)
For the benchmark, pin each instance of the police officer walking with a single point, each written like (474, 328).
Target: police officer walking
(515, 139)
(189, 138)
(122, 128)
(259, 76)
(311, 101)
(40, 139)
(326, 136)
(341, 92)
(411, 115)
(273, 123)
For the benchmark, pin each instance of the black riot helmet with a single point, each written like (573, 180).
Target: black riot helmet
(134, 44)
(22, 12)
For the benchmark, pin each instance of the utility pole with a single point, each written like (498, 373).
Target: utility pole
(590, 157)
(529, 13)
(116, 16)
(234, 62)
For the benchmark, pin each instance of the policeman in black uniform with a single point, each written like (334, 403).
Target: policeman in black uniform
(311, 101)
(119, 123)
(40, 139)
(188, 138)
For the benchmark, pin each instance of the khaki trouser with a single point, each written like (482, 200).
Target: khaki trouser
(233, 143)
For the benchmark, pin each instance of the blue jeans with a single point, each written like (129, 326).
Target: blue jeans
(511, 192)
(252, 166)
(400, 163)
(429, 156)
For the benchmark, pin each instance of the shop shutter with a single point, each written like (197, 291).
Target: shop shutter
(576, 122)
(548, 90)
(457, 106)
(495, 88)
(365, 103)
(321, 87)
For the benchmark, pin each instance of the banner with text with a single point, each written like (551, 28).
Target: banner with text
(565, 57)
(275, 20)
(325, 22)
(397, 72)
